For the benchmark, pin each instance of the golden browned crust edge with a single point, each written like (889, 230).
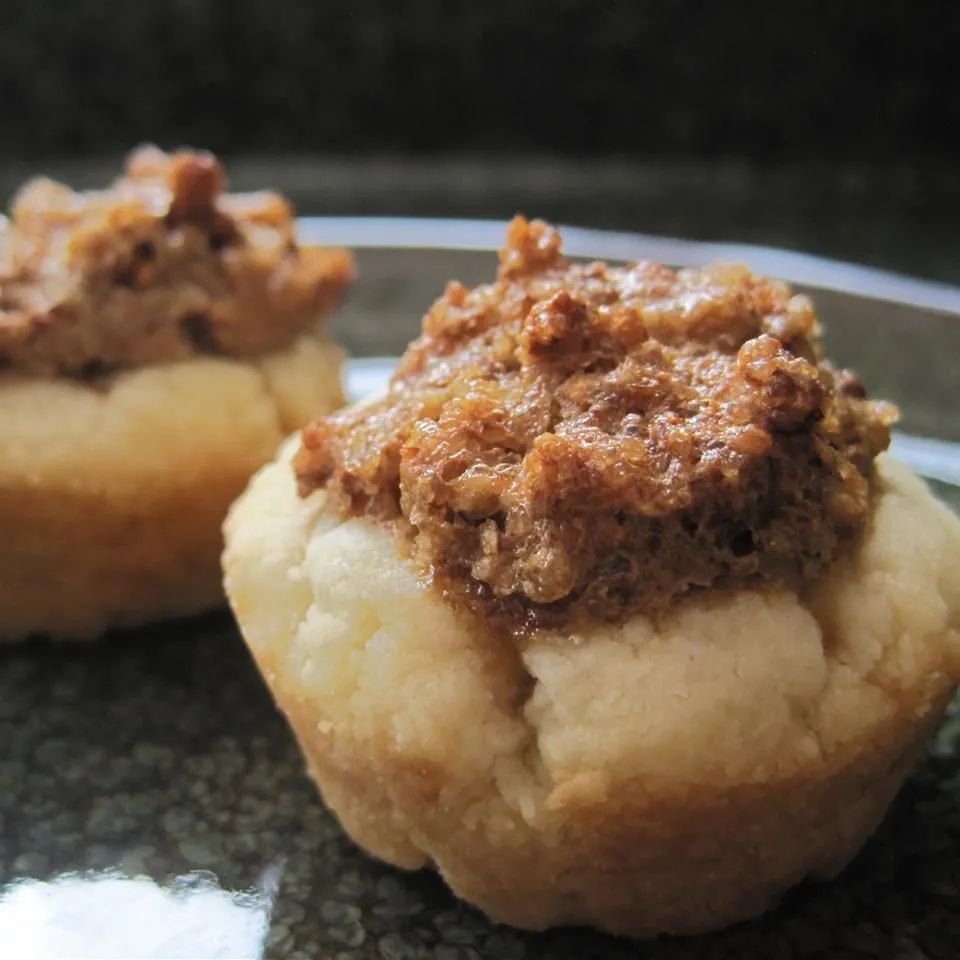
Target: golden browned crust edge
(640, 870)
(75, 565)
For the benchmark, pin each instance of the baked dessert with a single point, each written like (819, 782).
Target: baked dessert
(158, 339)
(612, 609)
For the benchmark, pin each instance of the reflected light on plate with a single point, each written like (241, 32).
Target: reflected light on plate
(107, 917)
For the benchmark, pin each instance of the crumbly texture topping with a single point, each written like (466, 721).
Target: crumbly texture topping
(592, 441)
(161, 266)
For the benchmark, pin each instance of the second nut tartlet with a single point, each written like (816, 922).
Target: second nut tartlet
(157, 341)
(612, 609)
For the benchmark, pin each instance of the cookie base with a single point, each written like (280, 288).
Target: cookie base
(112, 497)
(653, 777)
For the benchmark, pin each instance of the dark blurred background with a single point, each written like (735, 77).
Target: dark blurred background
(830, 127)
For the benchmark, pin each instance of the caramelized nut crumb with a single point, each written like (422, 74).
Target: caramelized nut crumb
(105, 278)
(592, 441)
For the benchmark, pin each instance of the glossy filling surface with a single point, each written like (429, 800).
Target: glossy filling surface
(585, 440)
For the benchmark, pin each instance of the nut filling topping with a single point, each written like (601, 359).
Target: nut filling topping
(162, 266)
(588, 440)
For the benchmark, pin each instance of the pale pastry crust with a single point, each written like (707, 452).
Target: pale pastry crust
(112, 496)
(675, 776)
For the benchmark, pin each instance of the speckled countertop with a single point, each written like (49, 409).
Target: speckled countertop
(159, 754)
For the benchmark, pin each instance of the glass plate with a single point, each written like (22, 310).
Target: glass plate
(153, 803)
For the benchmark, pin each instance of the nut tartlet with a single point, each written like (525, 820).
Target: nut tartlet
(158, 339)
(612, 609)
